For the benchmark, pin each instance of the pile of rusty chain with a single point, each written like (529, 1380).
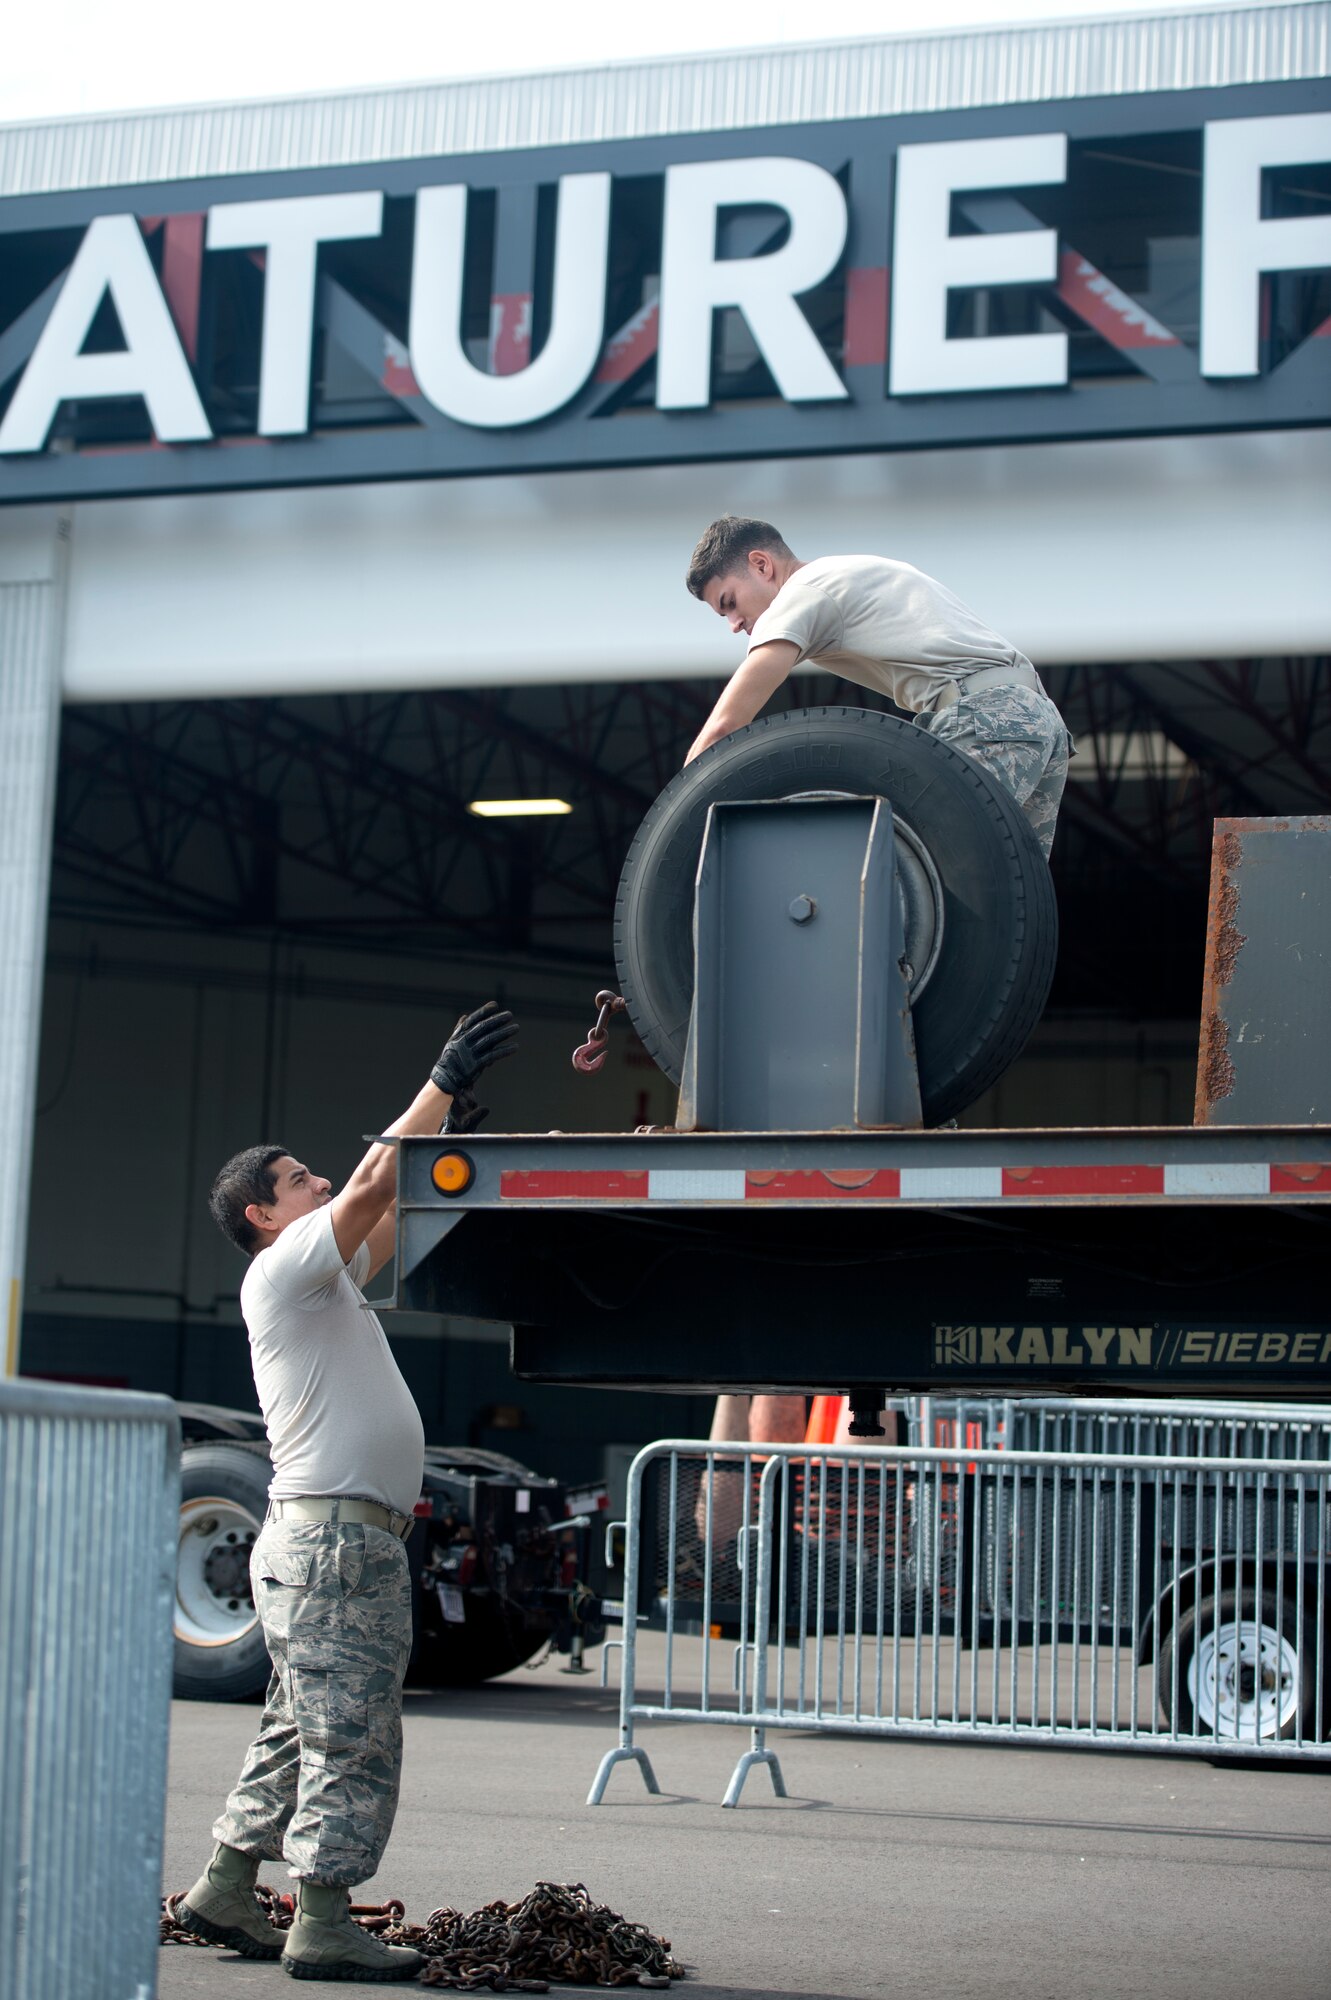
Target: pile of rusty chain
(171, 1931)
(556, 1934)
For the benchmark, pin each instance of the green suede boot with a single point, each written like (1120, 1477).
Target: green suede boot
(223, 1907)
(324, 1943)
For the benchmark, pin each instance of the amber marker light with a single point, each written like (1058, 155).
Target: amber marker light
(452, 1173)
(518, 808)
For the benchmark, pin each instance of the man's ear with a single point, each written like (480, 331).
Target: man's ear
(762, 563)
(256, 1217)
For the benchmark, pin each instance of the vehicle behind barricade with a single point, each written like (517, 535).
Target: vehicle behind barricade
(89, 1496)
(1154, 1599)
(1146, 1588)
(1188, 1427)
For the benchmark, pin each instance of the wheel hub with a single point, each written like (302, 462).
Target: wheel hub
(226, 1568)
(1243, 1681)
(214, 1601)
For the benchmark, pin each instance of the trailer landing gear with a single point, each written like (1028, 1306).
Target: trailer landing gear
(866, 1409)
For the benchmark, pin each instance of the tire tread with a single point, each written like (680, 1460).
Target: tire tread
(1011, 1015)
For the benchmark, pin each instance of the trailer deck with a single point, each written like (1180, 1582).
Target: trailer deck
(1128, 1260)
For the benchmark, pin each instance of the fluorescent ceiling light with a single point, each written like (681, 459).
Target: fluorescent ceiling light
(517, 808)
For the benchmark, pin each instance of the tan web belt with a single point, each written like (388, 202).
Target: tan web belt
(988, 677)
(338, 1509)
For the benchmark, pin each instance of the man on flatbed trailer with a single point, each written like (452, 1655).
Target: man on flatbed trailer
(888, 627)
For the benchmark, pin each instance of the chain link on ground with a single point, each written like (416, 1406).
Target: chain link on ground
(555, 1935)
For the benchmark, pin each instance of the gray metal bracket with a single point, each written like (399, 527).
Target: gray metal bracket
(801, 1012)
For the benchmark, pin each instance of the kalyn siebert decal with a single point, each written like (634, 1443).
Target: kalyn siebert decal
(1150, 1349)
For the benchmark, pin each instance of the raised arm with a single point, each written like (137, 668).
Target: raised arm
(368, 1197)
(746, 693)
(479, 1039)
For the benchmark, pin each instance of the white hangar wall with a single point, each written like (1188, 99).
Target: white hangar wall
(1136, 549)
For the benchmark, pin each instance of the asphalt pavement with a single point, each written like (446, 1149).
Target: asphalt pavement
(893, 1868)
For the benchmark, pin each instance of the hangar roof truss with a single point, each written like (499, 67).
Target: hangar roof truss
(344, 818)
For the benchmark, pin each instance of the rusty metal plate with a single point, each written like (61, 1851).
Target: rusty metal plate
(1265, 1055)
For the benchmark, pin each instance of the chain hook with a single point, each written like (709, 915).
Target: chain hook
(589, 1055)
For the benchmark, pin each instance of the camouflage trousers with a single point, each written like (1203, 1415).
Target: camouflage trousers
(320, 1781)
(1021, 739)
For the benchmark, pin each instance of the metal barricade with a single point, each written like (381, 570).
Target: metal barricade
(1158, 1601)
(89, 1503)
(1192, 1428)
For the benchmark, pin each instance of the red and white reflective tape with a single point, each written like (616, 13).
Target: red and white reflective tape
(1185, 1180)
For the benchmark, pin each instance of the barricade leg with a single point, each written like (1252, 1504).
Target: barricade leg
(628, 1752)
(758, 1754)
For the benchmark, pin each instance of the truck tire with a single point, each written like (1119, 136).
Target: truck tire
(981, 922)
(1240, 1671)
(220, 1653)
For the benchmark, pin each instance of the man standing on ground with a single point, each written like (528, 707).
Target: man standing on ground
(889, 627)
(319, 1785)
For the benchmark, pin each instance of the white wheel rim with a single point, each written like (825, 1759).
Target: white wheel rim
(1243, 1681)
(214, 1605)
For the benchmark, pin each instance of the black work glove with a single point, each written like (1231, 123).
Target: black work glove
(464, 1114)
(483, 1037)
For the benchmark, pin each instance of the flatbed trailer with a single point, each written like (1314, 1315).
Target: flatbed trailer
(855, 970)
(1130, 1260)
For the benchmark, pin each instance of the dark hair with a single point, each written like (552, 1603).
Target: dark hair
(246, 1178)
(725, 547)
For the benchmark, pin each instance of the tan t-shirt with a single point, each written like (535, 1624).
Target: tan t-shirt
(883, 625)
(340, 1418)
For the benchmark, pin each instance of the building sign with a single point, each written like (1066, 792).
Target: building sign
(1087, 269)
